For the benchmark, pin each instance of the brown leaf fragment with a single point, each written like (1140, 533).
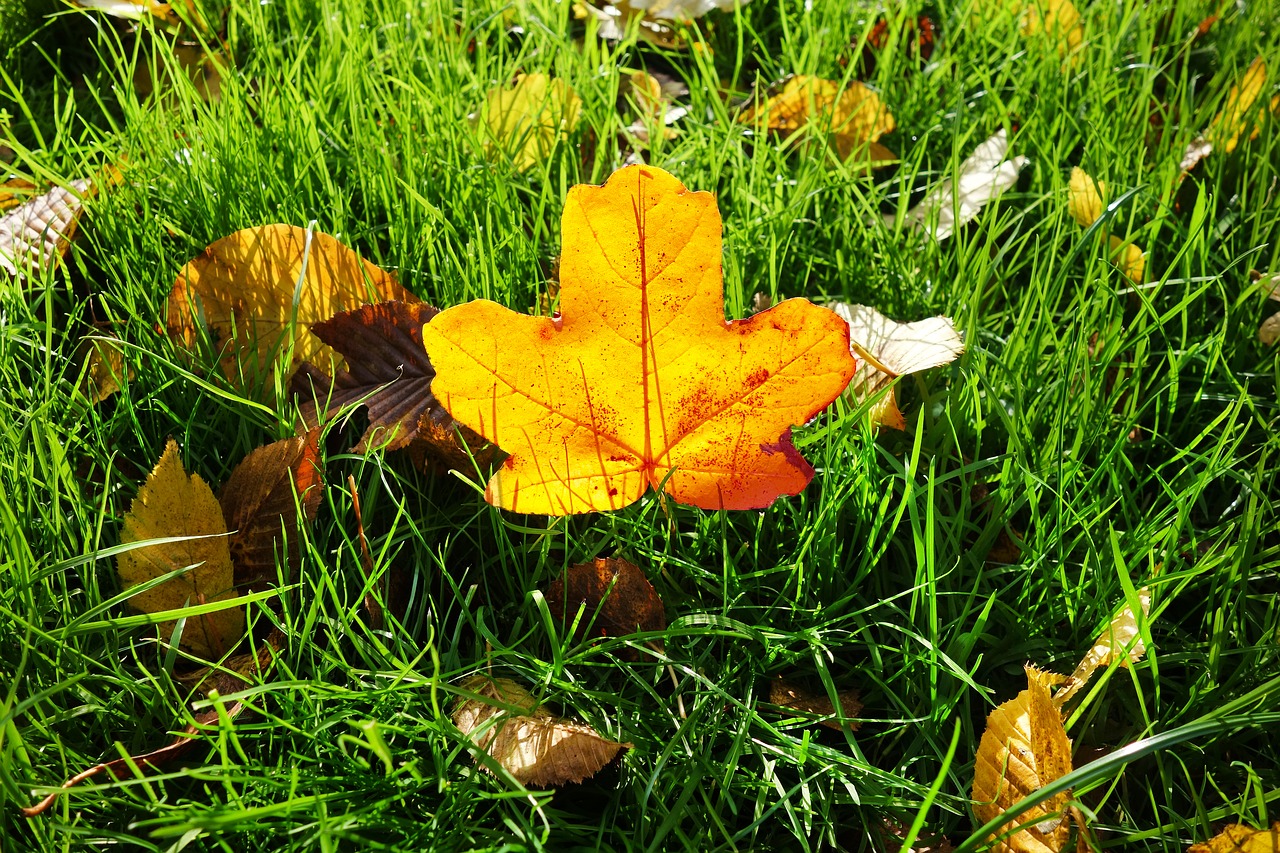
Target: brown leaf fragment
(261, 501)
(615, 596)
(894, 832)
(790, 695)
(1024, 748)
(261, 288)
(35, 235)
(537, 749)
(14, 192)
(443, 445)
(236, 672)
(387, 372)
(1120, 639)
(120, 768)
(173, 504)
(1238, 838)
(1269, 331)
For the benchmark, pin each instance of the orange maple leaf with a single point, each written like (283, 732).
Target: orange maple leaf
(640, 381)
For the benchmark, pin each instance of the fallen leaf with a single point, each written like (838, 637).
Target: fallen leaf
(173, 504)
(788, 695)
(35, 235)
(1234, 119)
(654, 106)
(919, 38)
(236, 672)
(104, 368)
(387, 371)
(893, 833)
(640, 382)
(983, 177)
(14, 192)
(262, 288)
(679, 10)
(537, 749)
(614, 21)
(525, 122)
(120, 768)
(261, 502)
(615, 597)
(1121, 639)
(1086, 201)
(1057, 19)
(889, 349)
(1024, 748)
(853, 115)
(1238, 838)
(204, 69)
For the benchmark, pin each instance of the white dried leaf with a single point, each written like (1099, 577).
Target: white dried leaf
(35, 234)
(983, 177)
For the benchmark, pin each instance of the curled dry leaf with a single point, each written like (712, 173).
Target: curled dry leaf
(525, 122)
(1024, 748)
(833, 716)
(537, 749)
(173, 504)
(1238, 838)
(853, 115)
(243, 287)
(890, 349)
(265, 500)
(35, 235)
(640, 383)
(154, 760)
(1121, 639)
(615, 596)
(983, 177)
(1086, 202)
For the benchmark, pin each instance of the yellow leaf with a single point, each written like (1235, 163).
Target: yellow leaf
(171, 504)
(1056, 18)
(891, 349)
(1228, 125)
(1121, 639)
(535, 748)
(525, 122)
(1024, 748)
(1129, 258)
(1087, 197)
(1238, 838)
(104, 368)
(639, 382)
(853, 114)
(244, 287)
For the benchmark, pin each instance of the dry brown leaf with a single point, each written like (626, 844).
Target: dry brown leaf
(537, 749)
(171, 504)
(852, 114)
(261, 502)
(888, 349)
(104, 368)
(35, 235)
(1238, 838)
(1120, 639)
(236, 672)
(1024, 748)
(203, 69)
(1269, 331)
(983, 177)
(616, 597)
(243, 287)
(789, 695)
(526, 121)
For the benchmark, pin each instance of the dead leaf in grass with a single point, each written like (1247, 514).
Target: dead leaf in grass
(172, 504)
(833, 716)
(1120, 639)
(1087, 199)
(615, 596)
(889, 349)
(983, 177)
(537, 749)
(104, 368)
(35, 235)
(1024, 748)
(236, 672)
(850, 114)
(525, 122)
(1238, 838)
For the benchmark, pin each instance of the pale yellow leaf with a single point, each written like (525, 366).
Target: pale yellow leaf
(173, 504)
(1120, 639)
(104, 370)
(1228, 125)
(1269, 331)
(1087, 197)
(1129, 258)
(983, 177)
(525, 122)
(1238, 838)
(1024, 748)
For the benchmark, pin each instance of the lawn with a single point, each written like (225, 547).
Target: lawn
(1103, 431)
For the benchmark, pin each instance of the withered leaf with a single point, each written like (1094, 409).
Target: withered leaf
(236, 672)
(853, 115)
(526, 121)
(261, 501)
(35, 234)
(789, 695)
(154, 760)
(1024, 748)
(1085, 203)
(616, 597)
(537, 749)
(983, 177)
(172, 504)
(387, 371)
(104, 368)
(1238, 838)
(1120, 639)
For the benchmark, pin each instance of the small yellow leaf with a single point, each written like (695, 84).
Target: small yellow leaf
(890, 349)
(526, 121)
(1024, 748)
(853, 114)
(1087, 197)
(1238, 838)
(1129, 258)
(535, 748)
(171, 504)
(1228, 125)
(104, 369)
(1056, 18)
(1121, 639)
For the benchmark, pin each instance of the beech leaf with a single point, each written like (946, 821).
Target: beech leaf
(537, 749)
(1238, 838)
(983, 177)
(1121, 639)
(526, 121)
(261, 501)
(788, 695)
(172, 504)
(639, 382)
(1024, 748)
(890, 349)
(244, 288)
(35, 234)
(616, 597)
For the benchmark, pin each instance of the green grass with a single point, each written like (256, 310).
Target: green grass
(355, 115)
